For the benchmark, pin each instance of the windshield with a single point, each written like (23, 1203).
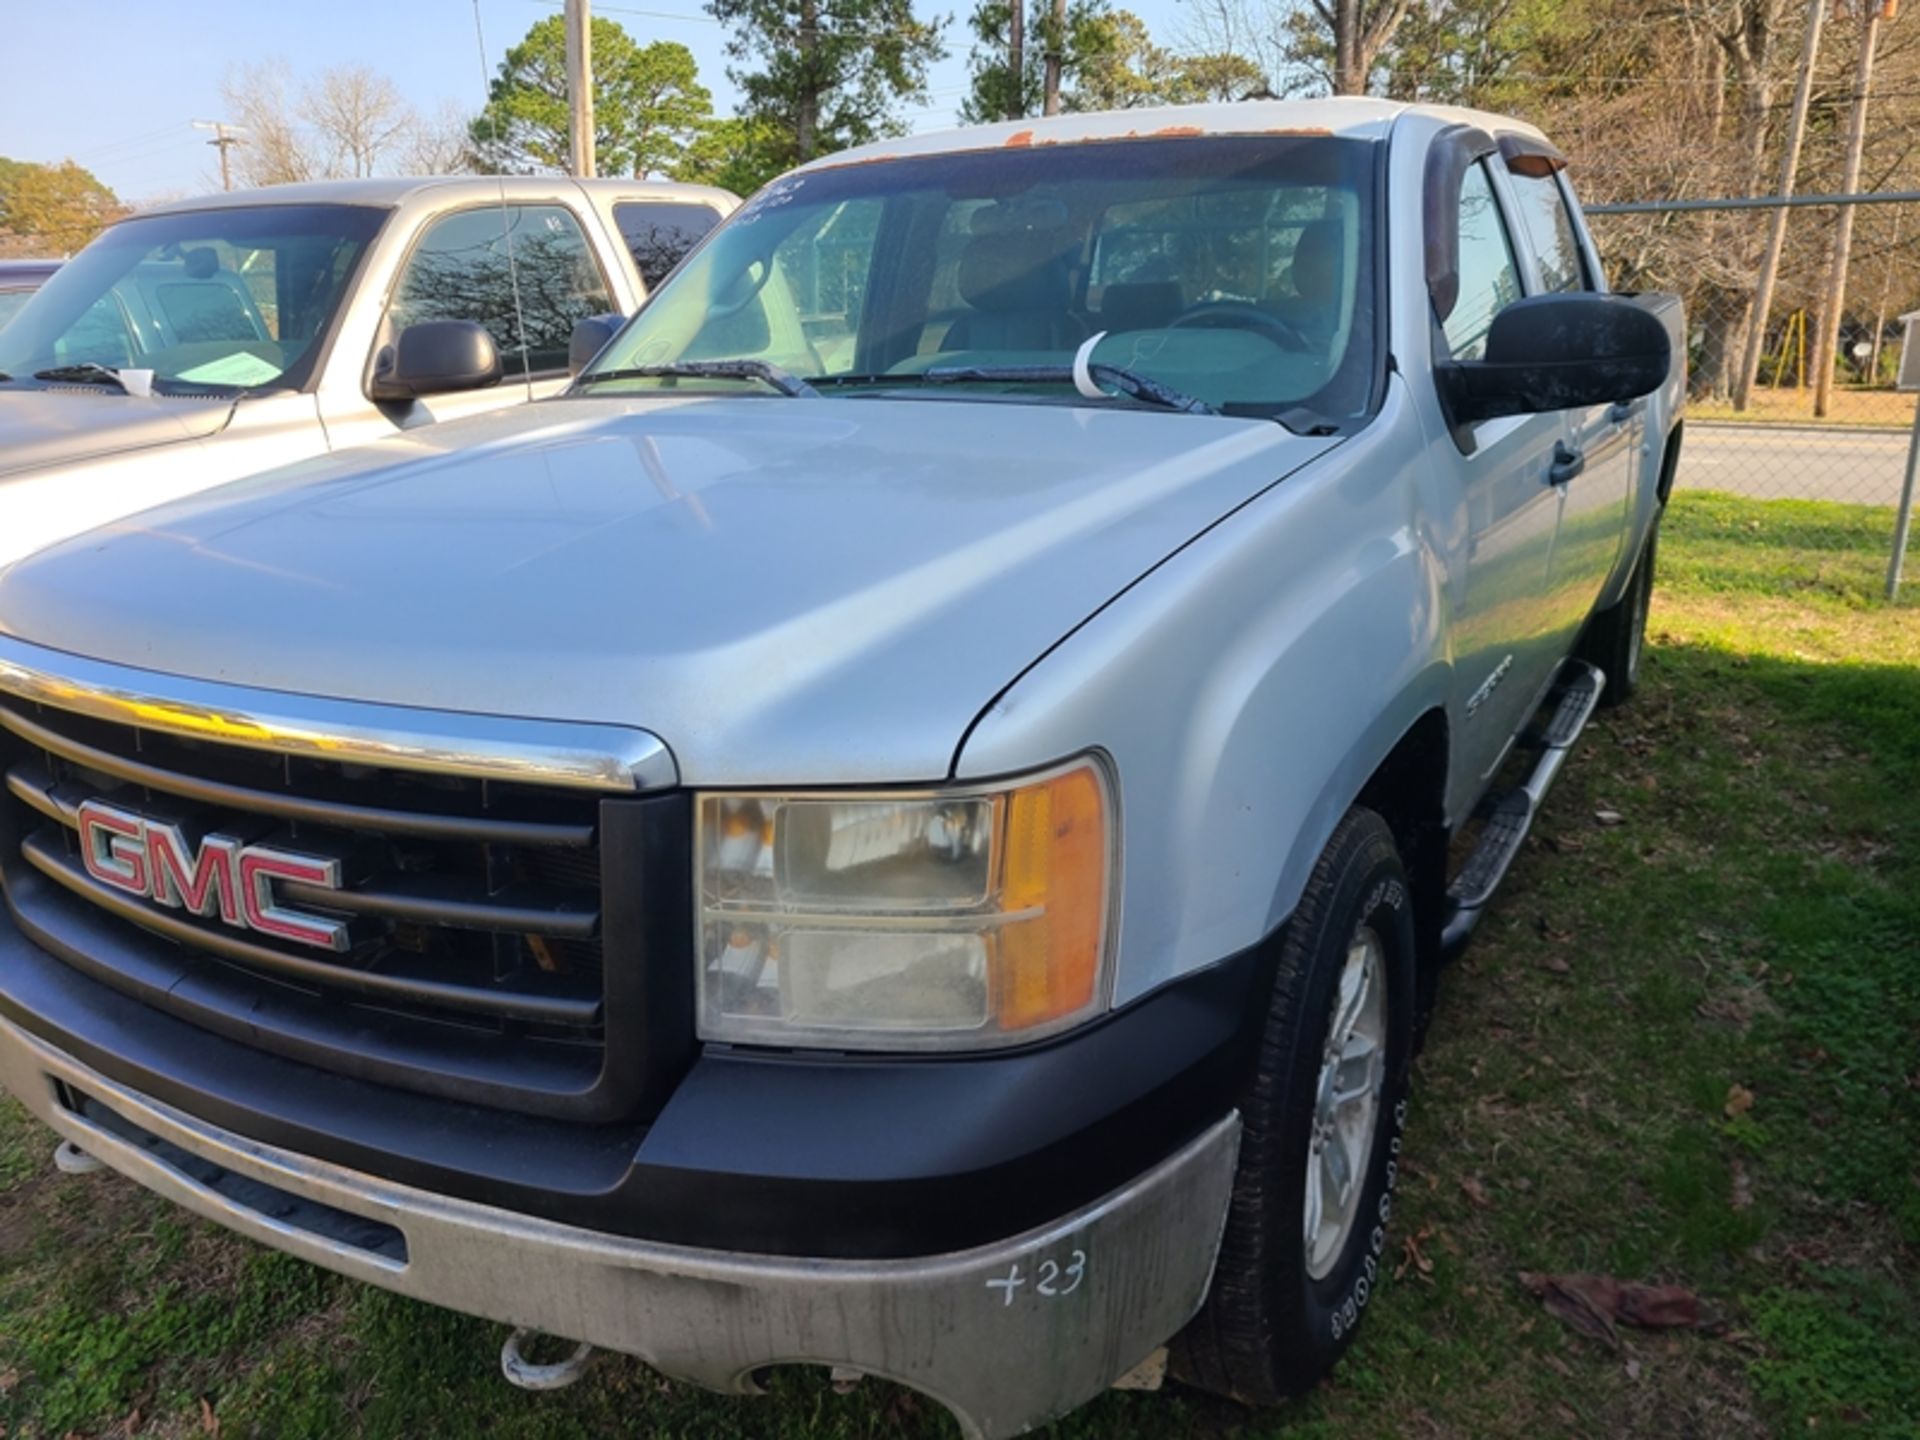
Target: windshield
(1234, 269)
(214, 299)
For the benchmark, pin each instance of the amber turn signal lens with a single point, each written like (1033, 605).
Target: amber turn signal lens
(1054, 893)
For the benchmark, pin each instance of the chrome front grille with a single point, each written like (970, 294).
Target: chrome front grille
(450, 911)
(476, 959)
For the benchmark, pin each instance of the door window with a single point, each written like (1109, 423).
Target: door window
(491, 265)
(1489, 278)
(1549, 229)
(659, 234)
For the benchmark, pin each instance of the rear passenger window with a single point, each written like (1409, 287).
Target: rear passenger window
(659, 234)
(1489, 278)
(1549, 229)
(475, 265)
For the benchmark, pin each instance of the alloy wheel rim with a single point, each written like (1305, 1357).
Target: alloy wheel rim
(1346, 1109)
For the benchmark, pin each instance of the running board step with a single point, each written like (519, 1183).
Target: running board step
(1569, 705)
(1562, 716)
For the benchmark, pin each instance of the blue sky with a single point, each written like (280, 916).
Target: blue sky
(115, 84)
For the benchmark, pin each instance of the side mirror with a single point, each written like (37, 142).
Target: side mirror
(436, 357)
(1560, 352)
(589, 338)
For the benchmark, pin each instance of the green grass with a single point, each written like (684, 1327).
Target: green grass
(1755, 921)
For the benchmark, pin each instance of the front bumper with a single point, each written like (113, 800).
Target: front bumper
(1006, 1335)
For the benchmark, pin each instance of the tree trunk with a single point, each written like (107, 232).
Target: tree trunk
(1348, 76)
(807, 121)
(1017, 60)
(1722, 312)
(1777, 228)
(1836, 297)
(1056, 57)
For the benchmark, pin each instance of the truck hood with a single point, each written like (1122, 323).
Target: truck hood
(74, 423)
(784, 591)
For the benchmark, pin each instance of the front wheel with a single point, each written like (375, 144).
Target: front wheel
(1322, 1115)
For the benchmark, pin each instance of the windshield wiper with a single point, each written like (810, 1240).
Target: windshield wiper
(1130, 383)
(784, 381)
(87, 372)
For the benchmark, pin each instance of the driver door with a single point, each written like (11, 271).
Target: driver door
(1506, 645)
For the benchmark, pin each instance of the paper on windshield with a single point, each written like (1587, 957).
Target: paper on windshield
(239, 368)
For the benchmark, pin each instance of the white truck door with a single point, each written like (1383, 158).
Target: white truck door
(526, 271)
(1596, 495)
(1504, 653)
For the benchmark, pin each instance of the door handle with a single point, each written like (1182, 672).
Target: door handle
(1624, 411)
(1567, 463)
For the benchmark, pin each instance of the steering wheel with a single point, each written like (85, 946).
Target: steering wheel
(1242, 315)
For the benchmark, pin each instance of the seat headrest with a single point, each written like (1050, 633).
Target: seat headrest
(1316, 259)
(1015, 270)
(1142, 305)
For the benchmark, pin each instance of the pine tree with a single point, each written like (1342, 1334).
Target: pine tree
(648, 103)
(823, 77)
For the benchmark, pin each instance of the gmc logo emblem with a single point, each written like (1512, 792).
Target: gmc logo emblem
(223, 878)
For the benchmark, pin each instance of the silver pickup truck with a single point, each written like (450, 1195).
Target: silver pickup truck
(910, 821)
(264, 327)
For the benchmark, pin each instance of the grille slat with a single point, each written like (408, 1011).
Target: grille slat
(387, 984)
(301, 807)
(520, 907)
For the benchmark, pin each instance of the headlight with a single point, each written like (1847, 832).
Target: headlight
(942, 920)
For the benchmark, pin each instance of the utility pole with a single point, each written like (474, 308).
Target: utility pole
(1017, 59)
(580, 87)
(225, 137)
(1823, 354)
(1777, 234)
(1056, 56)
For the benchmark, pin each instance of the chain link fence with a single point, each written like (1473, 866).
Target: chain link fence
(1760, 424)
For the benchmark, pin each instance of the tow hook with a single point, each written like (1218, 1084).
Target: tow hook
(70, 1159)
(524, 1373)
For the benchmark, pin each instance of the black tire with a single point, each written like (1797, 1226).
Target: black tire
(1616, 638)
(1268, 1329)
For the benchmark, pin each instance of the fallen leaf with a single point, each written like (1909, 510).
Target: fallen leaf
(209, 1422)
(1633, 1369)
(1554, 964)
(1592, 1304)
(1609, 817)
(1659, 1307)
(1476, 1192)
(1413, 1257)
(1739, 1101)
(1582, 1302)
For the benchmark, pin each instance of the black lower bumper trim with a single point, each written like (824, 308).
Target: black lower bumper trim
(786, 1155)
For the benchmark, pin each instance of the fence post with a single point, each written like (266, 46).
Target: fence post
(1908, 380)
(1903, 525)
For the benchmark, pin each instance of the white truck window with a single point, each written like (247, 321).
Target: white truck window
(488, 263)
(1489, 278)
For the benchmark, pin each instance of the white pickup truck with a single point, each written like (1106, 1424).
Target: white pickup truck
(217, 337)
